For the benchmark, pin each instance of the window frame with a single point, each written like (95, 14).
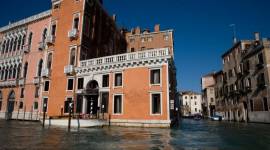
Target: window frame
(108, 82)
(45, 85)
(122, 104)
(161, 108)
(76, 15)
(114, 81)
(160, 76)
(68, 84)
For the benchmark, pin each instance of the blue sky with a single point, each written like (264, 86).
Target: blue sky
(202, 31)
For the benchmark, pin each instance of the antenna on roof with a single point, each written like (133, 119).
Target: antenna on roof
(233, 26)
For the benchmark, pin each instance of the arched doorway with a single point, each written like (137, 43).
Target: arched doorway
(10, 104)
(92, 94)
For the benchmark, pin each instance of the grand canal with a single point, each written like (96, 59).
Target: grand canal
(190, 135)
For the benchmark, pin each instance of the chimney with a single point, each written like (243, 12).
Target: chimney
(157, 28)
(257, 36)
(138, 30)
(114, 17)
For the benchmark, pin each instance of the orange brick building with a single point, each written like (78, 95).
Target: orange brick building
(84, 59)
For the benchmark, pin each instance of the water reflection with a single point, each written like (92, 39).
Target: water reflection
(190, 135)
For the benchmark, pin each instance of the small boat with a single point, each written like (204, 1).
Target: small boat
(216, 118)
(197, 117)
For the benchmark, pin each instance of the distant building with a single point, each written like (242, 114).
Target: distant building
(190, 103)
(242, 87)
(208, 94)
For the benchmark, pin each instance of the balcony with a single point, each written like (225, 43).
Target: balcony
(69, 69)
(50, 39)
(141, 56)
(21, 81)
(259, 66)
(45, 72)
(73, 34)
(36, 80)
(9, 83)
(41, 46)
(26, 48)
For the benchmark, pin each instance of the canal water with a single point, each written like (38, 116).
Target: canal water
(190, 135)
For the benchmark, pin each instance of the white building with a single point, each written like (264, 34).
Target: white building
(191, 103)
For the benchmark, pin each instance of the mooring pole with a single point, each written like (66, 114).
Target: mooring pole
(69, 115)
(44, 111)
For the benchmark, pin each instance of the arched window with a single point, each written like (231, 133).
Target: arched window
(3, 47)
(49, 61)
(44, 35)
(1, 99)
(15, 44)
(7, 45)
(23, 41)
(72, 56)
(30, 40)
(19, 71)
(14, 72)
(10, 45)
(40, 64)
(10, 73)
(19, 43)
(25, 69)
(6, 74)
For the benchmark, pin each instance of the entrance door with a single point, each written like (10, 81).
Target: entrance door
(92, 104)
(10, 105)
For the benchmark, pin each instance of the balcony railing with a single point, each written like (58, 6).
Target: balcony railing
(41, 46)
(72, 34)
(50, 39)
(26, 48)
(69, 69)
(45, 72)
(8, 83)
(147, 54)
(36, 80)
(21, 81)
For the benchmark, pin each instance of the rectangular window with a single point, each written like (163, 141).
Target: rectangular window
(67, 103)
(155, 76)
(251, 105)
(70, 84)
(76, 23)
(105, 80)
(156, 104)
(0, 105)
(117, 104)
(105, 102)
(21, 105)
(37, 92)
(80, 83)
(46, 86)
(118, 79)
(35, 105)
(79, 104)
(45, 104)
(265, 104)
(22, 93)
(53, 30)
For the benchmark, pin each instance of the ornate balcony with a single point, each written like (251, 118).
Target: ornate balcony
(69, 69)
(21, 81)
(45, 72)
(141, 56)
(36, 80)
(73, 34)
(50, 39)
(26, 48)
(41, 46)
(8, 83)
